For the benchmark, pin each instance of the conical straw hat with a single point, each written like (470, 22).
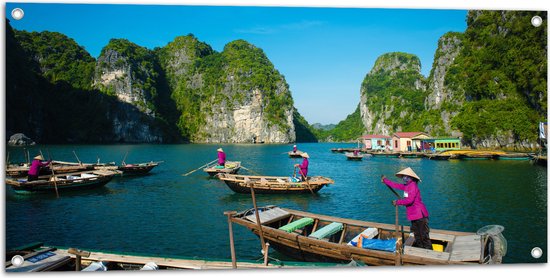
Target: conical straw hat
(220, 150)
(39, 157)
(407, 172)
(305, 155)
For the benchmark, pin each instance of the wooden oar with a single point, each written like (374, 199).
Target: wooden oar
(205, 165)
(307, 182)
(79, 162)
(253, 172)
(396, 210)
(53, 173)
(124, 159)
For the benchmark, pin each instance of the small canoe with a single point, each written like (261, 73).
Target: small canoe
(314, 237)
(351, 156)
(411, 155)
(296, 154)
(40, 258)
(21, 170)
(231, 167)
(477, 156)
(385, 154)
(273, 185)
(438, 156)
(137, 168)
(514, 156)
(74, 180)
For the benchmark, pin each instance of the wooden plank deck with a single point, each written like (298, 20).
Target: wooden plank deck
(167, 262)
(466, 248)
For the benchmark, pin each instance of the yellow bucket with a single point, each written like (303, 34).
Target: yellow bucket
(437, 247)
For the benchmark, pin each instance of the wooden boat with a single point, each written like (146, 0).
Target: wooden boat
(385, 154)
(476, 156)
(40, 258)
(273, 185)
(22, 169)
(231, 167)
(351, 156)
(514, 156)
(296, 154)
(74, 180)
(438, 156)
(411, 155)
(314, 237)
(138, 168)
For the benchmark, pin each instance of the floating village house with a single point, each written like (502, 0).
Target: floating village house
(442, 144)
(377, 142)
(409, 141)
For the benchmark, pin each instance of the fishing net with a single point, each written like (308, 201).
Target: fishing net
(498, 241)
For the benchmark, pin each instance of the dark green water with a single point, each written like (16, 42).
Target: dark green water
(169, 215)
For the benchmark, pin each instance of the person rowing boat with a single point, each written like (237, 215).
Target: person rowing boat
(417, 212)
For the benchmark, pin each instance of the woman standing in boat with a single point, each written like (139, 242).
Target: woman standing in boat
(36, 164)
(416, 210)
(294, 149)
(303, 167)
(221, 157)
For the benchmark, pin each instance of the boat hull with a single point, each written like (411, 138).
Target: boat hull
(49, 187)
(299, 243)
(239, 188)
(69, 181)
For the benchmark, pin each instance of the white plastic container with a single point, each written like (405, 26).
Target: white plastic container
(96, 266)
(150, 266)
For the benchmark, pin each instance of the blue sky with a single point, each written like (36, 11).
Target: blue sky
(324, 53)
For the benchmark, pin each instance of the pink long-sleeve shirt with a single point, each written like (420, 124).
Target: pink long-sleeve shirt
(35, 167)
(304, 166)
(412, 199)
(221, 158)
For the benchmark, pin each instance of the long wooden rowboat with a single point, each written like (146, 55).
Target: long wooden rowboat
(273, 185)
(75, 180)
(231, 167)
(385, 154)
(137, 168)
(21, 170)
(314, 237)
(40, 258)
(351, 156)
(296, 154)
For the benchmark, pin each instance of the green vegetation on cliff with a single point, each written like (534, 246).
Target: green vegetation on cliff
(58, 57)
(503, 70)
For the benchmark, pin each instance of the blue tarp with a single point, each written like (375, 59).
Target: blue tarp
(378, 244)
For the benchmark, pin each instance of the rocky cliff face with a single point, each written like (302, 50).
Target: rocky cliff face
(449, 47)
(390, 93)
(126, 70)
(235, 96)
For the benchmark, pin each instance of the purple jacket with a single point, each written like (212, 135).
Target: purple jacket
(303, 167)
(412, 199)
(35, 167)
(294, 149)
(221, 158)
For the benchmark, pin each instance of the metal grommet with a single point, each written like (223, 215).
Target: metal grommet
(536, 21)
(17, 260)
(17, 13)
(536, 252)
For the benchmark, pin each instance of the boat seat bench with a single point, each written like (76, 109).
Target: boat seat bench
(327, 230)
(298, 224)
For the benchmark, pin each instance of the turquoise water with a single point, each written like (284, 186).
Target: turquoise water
(167, 214)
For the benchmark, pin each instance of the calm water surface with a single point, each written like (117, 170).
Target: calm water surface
(167, 214)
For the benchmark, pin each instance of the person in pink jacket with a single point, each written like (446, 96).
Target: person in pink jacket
(416, 210)
(34, 170)
(221, 157)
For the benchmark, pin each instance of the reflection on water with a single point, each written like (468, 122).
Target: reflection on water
(165, 213)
